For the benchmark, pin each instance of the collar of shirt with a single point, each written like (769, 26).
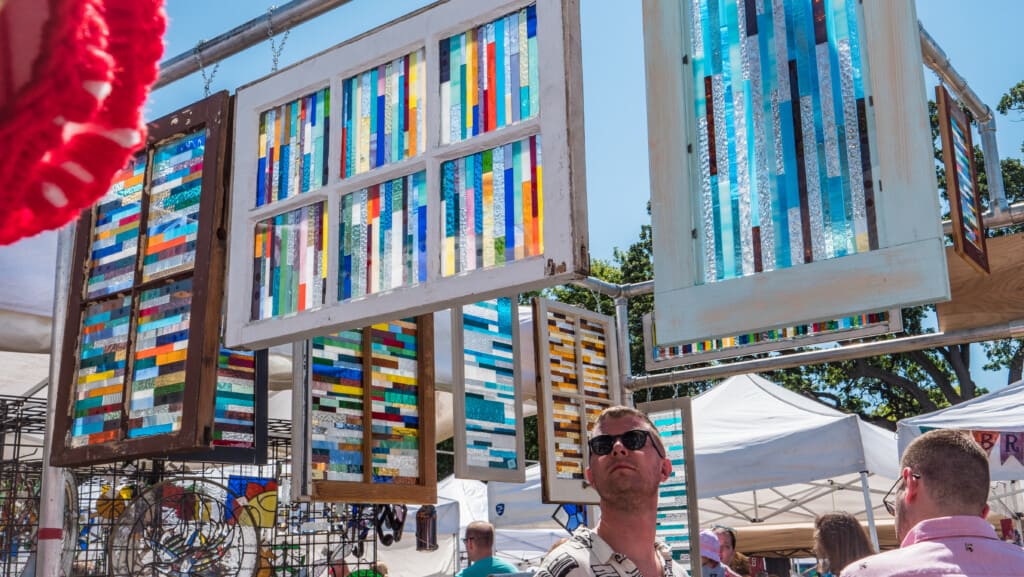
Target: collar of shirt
(945, 527)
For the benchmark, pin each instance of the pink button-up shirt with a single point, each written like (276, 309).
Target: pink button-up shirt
(958, 546)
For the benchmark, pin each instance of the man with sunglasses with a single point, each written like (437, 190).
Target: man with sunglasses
(627, 463)
(940, 503)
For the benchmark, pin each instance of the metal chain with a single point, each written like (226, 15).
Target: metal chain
(207, 78)
(275, 50)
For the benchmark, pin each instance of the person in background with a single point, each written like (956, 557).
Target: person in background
(479, 543)
(940, 503)
(710, 555)
(627, 463)
(727, 541)
(839, 539)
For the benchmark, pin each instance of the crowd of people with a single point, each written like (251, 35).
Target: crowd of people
(939, 502)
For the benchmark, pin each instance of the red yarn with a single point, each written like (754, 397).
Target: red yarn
(57, 131)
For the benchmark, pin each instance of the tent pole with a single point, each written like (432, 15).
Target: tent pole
(868, 508)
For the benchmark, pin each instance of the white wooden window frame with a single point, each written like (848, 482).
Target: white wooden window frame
(559, 123)
(462, 467)
(909, 268)
(893, 325)
(680, 408)
(557, 490)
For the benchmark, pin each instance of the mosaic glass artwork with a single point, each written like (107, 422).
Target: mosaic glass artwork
(791, 336)
(383, 114)
(251, 500)
(784, 134)
(394, 390)
(234, 423)
(293, 142)
(489, 382)
(290, 266)
(570, 517)
(115, 236)
(175, 191)
(966, 193)
(383, 237)
(161, 347)
(338, 428)
(101, 372)
(492, 203)
(673, 505)
(489, 76)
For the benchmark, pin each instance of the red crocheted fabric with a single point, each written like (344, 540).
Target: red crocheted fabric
(79, 118)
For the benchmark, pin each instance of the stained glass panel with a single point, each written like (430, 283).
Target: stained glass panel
(115, 236)
(493, 207)
(383, 114)
(234, 422)
(102, 366)
(394, 386)
(784, 136)
(338, 428)
(290, 269)
(383, 236)
(568, 434)
(674, 499)
(161, 349)
(175, 191)
(293, 143)
(490, 385)
(489, 76)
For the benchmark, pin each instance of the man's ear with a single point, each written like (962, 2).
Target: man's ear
(590, 478)
(666, 469)
(912, 484)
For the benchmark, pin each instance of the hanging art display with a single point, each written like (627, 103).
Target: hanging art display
(794, 165)
(578, 377)
(145, 374)
(410, 170)
(487, 391)
(366, 418)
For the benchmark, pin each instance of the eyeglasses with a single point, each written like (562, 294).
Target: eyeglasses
(633, 440)
(465, 539)
(887, 500)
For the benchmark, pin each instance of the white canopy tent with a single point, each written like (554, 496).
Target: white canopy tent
(1000, 414)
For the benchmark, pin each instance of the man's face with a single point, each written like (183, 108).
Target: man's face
(624, 475)
(725, 551)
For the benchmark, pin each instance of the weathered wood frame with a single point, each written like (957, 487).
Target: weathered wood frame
(894, 325)
(560, 123)
(949, 113)
(424, 492)
(681, 407)
(210, 114)
(462, 467)
(907, 269)
(557, 490)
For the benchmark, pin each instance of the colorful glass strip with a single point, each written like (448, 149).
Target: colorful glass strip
(101, 371)
(161, 348)
(234, 423)
(569, 434)
(489, 377)
(338, 429)
(175, 191)
(115, 233)
(290, 268)
(794, 333)
(493, 207)
(293, 142)
(395, 407)
(383, 232)
(594, 358)
(973, 232)
(489, 76)
(382, 114)
(673, 507)
(784, 133)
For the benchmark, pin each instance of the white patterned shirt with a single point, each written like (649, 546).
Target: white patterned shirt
(586, 554)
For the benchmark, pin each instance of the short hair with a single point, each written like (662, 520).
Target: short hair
(840, 538)
(718, 529)
(622, 411)
(481, 532)
(954, 467)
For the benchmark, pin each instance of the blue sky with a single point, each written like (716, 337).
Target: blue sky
(981, 38)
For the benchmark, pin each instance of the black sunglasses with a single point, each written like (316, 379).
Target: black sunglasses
(633, 440)
(887, 500)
